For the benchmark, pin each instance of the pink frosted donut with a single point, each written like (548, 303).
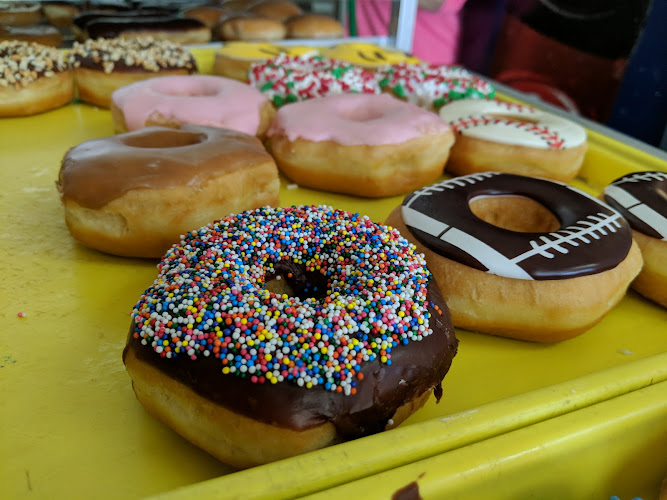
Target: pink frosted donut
(171, 101)
(361, 144)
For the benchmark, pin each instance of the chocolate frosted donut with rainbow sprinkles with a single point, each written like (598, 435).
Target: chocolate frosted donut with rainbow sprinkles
(278, 331)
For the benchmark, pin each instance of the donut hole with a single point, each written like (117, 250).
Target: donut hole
(515, 213)
(360, 114)
(513, 118)
(294, 280)
(164, 139)
(185, 88)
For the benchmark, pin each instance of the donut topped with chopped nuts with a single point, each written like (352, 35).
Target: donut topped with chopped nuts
(33, 78)
(22, 62)
(135, 54)
(103, 65)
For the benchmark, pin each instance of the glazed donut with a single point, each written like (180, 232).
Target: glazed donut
(175, 29)
(286, 79)
(60, 13)
(641, 198)
(41, 34)
(367, 55)
(513, 138)
(364, 145)
(208, 100)
(234, 59)
(275, 9)
(521, 257)
(20, 13)
(313, 26)
(360, 342)
(250, 28)
(431, 86)
(236, 5)
(207, 14)
(134, 194)
(33, 78)
(102, 66)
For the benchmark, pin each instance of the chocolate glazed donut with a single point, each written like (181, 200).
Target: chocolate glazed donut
(642, 199)
(415, 369)
(592, 238)
(253, 371)
(521, 257)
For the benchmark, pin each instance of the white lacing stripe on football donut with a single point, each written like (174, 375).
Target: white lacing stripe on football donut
(639, 209)
(493, 260)
(450, 184)
(601, 223)
(642, 177)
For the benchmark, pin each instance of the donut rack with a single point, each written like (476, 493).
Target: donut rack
(584, 418)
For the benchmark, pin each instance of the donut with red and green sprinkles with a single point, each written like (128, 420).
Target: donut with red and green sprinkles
(285, 79)
(211, 298)
(432, 86)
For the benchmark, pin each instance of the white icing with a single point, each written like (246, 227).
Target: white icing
(643, 212)
(501, 122)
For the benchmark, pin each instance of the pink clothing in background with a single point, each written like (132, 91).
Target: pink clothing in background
(436, 33)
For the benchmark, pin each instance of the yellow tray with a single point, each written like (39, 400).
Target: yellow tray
(614, 448)
(72, 428)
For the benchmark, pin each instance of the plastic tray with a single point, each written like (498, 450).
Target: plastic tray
(72, 428)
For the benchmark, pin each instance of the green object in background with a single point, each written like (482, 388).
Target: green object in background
(352, 17)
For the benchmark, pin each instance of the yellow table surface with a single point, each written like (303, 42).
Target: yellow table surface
(614, 448)
(70, 426)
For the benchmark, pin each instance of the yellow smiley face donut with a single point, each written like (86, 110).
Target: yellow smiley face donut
(519, 256)
(500, 136)
(368, 55)
(234, 59)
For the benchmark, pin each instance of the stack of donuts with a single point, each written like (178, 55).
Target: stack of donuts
(56, 22)
(309, 325)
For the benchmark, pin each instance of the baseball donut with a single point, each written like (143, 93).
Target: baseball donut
(521, 257)
(501, 136)
(208, 100)
(252, 372)
(642, 199)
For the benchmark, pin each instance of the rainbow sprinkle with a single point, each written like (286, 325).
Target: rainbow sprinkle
(210, 298)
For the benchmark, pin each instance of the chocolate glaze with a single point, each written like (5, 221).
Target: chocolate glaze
(113, 26)
(649, 190)
(178, 59)
(416, 368)
(83, 19)
(543, 256)
(101, 170)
